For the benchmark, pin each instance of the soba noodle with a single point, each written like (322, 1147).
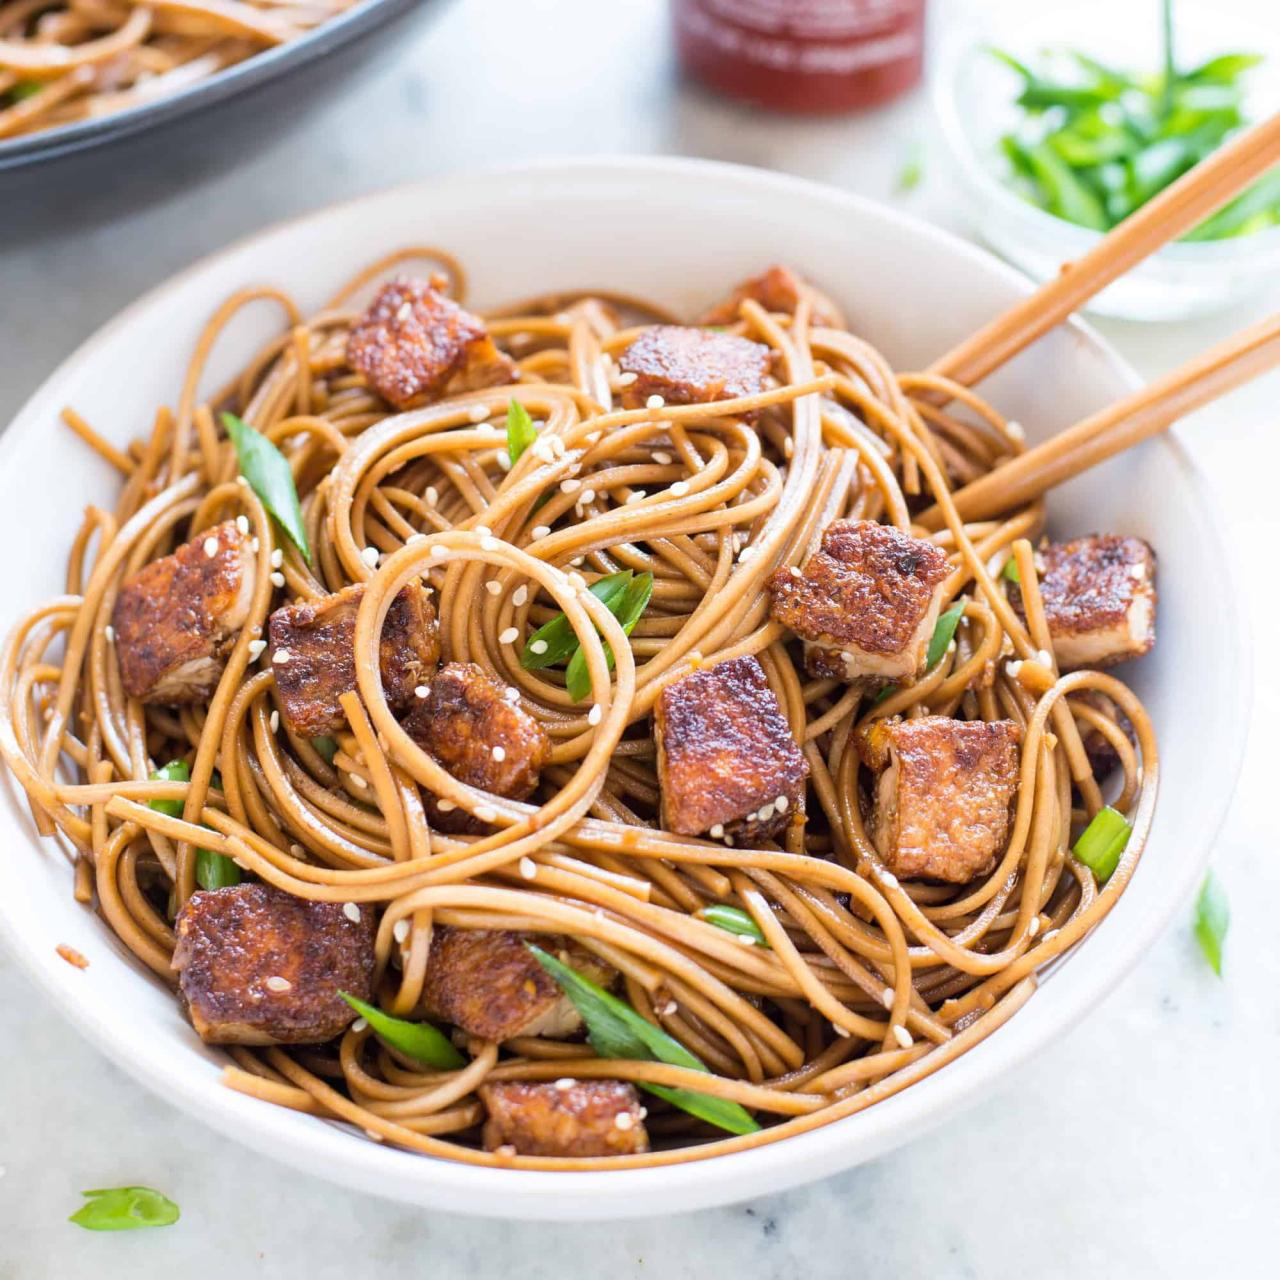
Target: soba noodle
(62, 61)
(866, 985)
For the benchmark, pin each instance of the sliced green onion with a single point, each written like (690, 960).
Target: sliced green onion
(627, 608)
(124, 1209)
(1010, 571)
(270, 477)
(25, 89)
(1213, 919)
(942, 635)
(174, 771)
(734, 920)
(616, 1030)
(521, 432)
(884, 695)
(216, 870)
(326, 748)
(418, 1040)
(556, 640)
(1102, 842)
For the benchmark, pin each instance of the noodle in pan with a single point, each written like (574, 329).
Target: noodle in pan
(844, 983)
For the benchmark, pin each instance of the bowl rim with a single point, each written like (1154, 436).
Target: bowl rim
(803, 1158)
(241, 77)
(954, 52)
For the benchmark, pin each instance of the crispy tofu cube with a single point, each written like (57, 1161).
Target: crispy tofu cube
(942, 802)
(1099, 596)
(313, 654)
(487, 982)
(259, 966)
(177, 619)
(479, 733)
(865, 604)
(691, 366)
(779, 289)
(727, 762)
(564, 1118)
(414, 345)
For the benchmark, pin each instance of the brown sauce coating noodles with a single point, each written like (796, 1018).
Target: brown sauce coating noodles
(866, 985)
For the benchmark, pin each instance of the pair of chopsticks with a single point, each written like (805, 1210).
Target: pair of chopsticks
(1152, 409)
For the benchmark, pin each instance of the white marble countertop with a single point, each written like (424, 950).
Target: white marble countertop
(1142, 1144)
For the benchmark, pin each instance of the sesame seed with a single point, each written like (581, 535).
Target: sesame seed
(405, 311)
(1034, 927)
(279, 984)
(479, 412)
(588, 497)
(1012, 669)
(358, 781)
(528, 869)
(490, 543)
(401, 930)
(254, 545)
(420, 691)
(537, 646)
(781, 804)
(503, 460)
(483, 530)
(511, 694)
(636, 495)
(662, 457)
(886, 997)
(370, 556)
(440, 553)
(654, 402)
(558, 448)
(211, 547)
(1137, 572)
(277, 558)
(499, 754)
(486, 813)
(493, 587)
(509, 636)
(902, 1035)
(745, 554)
(626, 379)
(446, 806)
(519, 596)
(110, 633)
(281, 656)
(746, 939)
(577, 560)
(565, 1082)
(596, 714)
(680, 488)
(274, 722)
(669, 1008)
(506, 1150)
(539, 531)
(297, 850)
(432, 495)
(717, 831)
(360, 1024)
(1044, 657)
(277, 579)
(624, 1120)
(1016, 430)
(887, 877)
(570, 485)
(242, 480)
(242, 523)
(351, 911)
(1053, 933)
(765, 812)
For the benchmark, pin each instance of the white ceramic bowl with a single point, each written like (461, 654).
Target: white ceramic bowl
(680, 232)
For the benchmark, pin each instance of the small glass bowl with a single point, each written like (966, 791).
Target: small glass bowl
(973, 100)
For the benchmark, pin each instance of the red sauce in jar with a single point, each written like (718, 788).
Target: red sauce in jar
(803, 55)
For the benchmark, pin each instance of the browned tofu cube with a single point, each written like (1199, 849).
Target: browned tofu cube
(564, 1118)
(727, 762)
(177, 619)
(487, 982)
(865, 604)
(777, 289)
(942, 801)
(691, 366)
(479, 733)
(259, 966)
(1099, 596)
(313, 654)
(414, 345)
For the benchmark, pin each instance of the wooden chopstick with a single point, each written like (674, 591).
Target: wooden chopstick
(1176, 209)
(1120, 426)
